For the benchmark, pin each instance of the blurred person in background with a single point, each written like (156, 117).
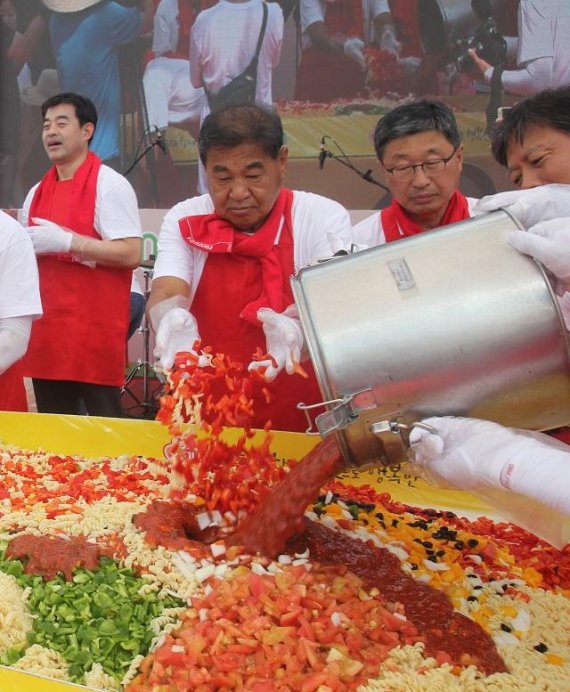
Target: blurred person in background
(223, 41)
(543, 49)
(169, 94)
(86, 36)
(334, 36)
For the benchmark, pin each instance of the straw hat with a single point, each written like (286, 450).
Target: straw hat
(47, 86)
(69, 5)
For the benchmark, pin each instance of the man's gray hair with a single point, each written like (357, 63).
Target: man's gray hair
(413, 118)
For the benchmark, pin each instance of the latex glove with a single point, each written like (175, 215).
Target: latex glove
(284, 339)
(549, 243)
(177, 331)
(354, 49)
(529, 206)
(388, 40)
(48, 237)
(476, 454)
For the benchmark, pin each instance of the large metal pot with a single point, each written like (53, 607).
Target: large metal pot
(449, 322)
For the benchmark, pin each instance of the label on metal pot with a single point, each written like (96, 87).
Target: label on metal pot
(402, 274)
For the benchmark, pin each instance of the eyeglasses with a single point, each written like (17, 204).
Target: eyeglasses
(431, 168)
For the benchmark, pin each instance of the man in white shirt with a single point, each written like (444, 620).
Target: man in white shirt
(543, 59)
(169, 94)
(228, 256)
(421, 157)
(19, 305)
(223, 42)
(84, 223)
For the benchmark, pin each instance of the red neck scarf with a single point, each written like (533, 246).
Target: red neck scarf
(210, 233)
(397, 224)
(81, 210)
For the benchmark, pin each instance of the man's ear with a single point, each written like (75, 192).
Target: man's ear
(88, 130)
(283, 158)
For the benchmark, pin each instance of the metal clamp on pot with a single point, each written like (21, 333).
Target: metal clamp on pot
(448, 322)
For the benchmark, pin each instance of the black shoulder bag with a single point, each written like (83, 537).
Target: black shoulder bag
(242, 88)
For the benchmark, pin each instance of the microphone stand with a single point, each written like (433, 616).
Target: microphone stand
(343, 158)
(155, 143)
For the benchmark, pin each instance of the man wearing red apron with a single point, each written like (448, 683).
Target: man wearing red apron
(84, 223)
(229, 255)
(19, 305)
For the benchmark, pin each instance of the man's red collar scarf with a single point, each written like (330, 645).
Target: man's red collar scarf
(397, 224)
(81, 214)
(213, 234)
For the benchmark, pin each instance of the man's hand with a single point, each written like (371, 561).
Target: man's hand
(354, 49)
(47, 237)
(476, 455)
(388, 40)
(177, 331)
(549, 243)
(284, 340)
(529, 207)
(480, 65)
(465, 453)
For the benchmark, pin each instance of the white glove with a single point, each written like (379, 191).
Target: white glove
(48, 237)
(354, 49)
(549, 243)
(475, 454)
(410, 64)
(176, 330)
(529, 206)
(284, 339)
(388, 40)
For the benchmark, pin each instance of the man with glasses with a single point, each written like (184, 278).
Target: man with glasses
(421, 156)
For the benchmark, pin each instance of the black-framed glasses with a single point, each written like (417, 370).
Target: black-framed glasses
(431, 168)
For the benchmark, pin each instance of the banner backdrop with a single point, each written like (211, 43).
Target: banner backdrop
(331, 68)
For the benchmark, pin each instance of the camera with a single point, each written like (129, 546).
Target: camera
(486, 40)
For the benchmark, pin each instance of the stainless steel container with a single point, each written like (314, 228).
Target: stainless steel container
(448, 322)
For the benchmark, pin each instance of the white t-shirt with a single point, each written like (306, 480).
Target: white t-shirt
(314, 218)
(166, 27)
(19, 282)
(315, 10)
(223, 41)
(369, 232)
(116, 207)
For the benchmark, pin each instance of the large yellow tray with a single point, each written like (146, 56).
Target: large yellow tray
(95, 437)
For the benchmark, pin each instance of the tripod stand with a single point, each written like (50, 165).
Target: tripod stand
(147, 404)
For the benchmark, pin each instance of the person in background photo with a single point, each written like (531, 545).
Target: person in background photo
(334, 36)
(543, 49)
(223, 41)
(169, 94)
(86, 37)
(84, 223)
(225, 259)
(19, 305)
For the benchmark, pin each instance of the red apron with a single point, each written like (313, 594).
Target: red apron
(82, 335)
(228, 283)
(12, 390)
(396, 224)
(324, 75)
